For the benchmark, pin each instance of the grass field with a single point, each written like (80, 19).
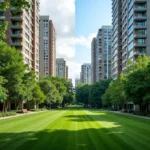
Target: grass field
(75, 129)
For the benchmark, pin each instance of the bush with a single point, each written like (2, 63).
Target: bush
(35, 110)
(43, 109)
(10, 113)
(19, 111)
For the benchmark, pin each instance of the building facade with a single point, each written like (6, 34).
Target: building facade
(93, 60)
(23, 33)
(61, 67)
(47, 47)
(103, 53)
(77, 82)
(131, 32)
(86, 74)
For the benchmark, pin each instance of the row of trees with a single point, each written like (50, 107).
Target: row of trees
(18, 84)
(91, 95)
(17, 81)
(132, 87)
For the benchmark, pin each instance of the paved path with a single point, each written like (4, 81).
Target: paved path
(18, 115)
(130, 114)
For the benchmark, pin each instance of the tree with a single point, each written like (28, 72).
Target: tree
(118, 93)
(52, 95)
(97, 90)
(25, 89)
(82, 94)
(106, 98)
(17, 4)
(69, 97)
(140, 64)
(37, 96)
(146, 98)
(61, 87)
(133, 86)
(137, 83)
(137, 87)
(3, 91)
(12, 68)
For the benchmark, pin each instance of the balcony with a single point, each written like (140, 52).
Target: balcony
(140, 17)
(137, 53)
(140, 35)
(140, 9)
(16, 26)
(16, 43)
(18, 10)
(137, 26)
(16, 35)
(139, 44)
(140, 1)
(17, 18)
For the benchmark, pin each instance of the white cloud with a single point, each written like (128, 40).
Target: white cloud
(62, 12)
(85, 41)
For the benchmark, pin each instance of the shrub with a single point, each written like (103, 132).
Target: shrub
(35, 110)
(10, 113)
(43, 109)
(19, 111)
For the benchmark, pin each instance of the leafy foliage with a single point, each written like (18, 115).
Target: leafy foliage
(17, 4)
(6, 4)
(82, 94)
(133, 86)
(97, 90)
(3, 91)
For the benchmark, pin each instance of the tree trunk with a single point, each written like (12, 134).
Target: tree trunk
(140, 107)
(6, 107)
(17, 106)
(35, 105)
(3, 107)
(147, 107)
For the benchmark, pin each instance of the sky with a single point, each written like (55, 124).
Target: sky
(76, 23)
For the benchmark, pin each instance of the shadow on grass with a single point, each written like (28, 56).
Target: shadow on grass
(92, 117)
(99, 138)
(86, 139)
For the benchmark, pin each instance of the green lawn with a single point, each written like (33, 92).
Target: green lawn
(75, 129)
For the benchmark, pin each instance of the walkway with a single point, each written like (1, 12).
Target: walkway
(130, 114)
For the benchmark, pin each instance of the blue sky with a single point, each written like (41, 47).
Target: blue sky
(90, 15)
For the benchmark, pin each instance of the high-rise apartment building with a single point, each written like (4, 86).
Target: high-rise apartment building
(131, 32)
(23, 32)
(93, 60)
(103, 53)
(47, 47)
(61, 67)
(86, 73)
(77, 82)
(116, 65)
